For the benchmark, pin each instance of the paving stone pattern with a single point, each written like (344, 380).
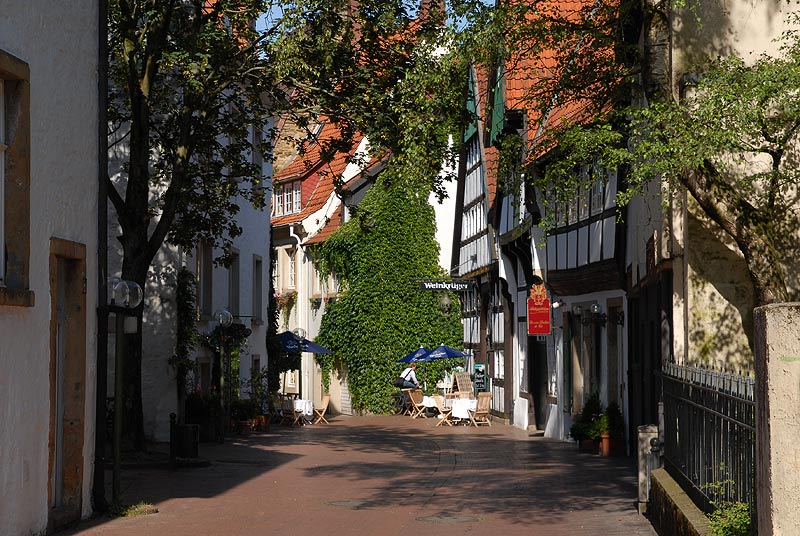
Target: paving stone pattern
(385, 476)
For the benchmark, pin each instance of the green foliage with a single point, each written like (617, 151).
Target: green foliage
(611, 422)
(381, 314)
(257, 390)
(731, 519)
(370, 68)
(585, 424)
(731, 143)
(243, 409)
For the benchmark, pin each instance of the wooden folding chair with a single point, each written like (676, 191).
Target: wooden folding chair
(443, 411)
(481, 413)
(319, 412)
(408, 405)
(418, 405)
(287, 412)
(462, 386)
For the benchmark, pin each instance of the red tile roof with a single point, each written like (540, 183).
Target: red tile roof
(316, 175)
(331, 227)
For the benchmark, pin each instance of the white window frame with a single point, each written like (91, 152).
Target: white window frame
(297, 198)
(287, 199)
(3, 148)
(291, 269)
(277, 200)
(598, 190)
(258, 287)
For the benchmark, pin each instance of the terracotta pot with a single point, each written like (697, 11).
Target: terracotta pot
(611, 446)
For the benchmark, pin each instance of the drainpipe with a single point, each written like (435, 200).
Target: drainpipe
(299, 317)
(101, 391)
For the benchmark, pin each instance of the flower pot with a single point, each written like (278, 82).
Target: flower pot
(587, 445)
(611, 446)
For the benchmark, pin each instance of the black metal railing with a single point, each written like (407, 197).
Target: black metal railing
(709, 434)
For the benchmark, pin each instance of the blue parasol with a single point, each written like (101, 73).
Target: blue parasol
(416, 356)
(442, 352)
(293, 343)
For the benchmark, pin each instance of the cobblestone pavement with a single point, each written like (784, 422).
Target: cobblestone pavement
(385, 476)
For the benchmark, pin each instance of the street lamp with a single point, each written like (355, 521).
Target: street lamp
(124, 297)
(224, 319)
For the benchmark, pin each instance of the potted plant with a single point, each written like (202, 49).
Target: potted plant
(611, 430)
(243, 411)
(584, 429)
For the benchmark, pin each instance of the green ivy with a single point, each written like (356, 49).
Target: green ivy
(380, 255)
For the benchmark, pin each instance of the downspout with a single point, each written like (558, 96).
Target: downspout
(101, 391)
(298, 318)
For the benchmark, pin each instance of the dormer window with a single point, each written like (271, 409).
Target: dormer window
(286, 199)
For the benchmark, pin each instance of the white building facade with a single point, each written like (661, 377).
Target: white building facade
(48, 267)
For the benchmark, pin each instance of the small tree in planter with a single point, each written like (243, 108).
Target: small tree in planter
(243, 411)
(257, 388)
(611, 430)
(584, 428)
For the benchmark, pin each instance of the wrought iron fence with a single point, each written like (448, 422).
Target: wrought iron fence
(709, 434)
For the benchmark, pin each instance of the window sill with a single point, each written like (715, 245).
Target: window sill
(17, 297)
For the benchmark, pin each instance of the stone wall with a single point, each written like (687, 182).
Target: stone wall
(671, 511)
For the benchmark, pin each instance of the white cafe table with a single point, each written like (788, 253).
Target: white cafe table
(461, 407)
(301, 409)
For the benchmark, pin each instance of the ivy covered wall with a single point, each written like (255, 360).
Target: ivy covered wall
(381, 314)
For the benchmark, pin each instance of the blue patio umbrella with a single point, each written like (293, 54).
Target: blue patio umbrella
(442, 352)
(293, 343)
(415, 357)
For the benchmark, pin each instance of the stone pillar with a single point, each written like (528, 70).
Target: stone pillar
(777, 354)
(648, 460)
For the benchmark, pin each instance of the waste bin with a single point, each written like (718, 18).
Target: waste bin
(183, 439)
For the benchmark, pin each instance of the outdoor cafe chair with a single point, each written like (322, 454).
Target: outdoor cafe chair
(319, 412)
(417, 403)
(480, 415)
(443, 411)
(408, 405)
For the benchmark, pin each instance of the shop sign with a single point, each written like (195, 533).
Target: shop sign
(538, 311)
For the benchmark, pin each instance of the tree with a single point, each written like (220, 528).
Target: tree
(187, 92)
(731, 144)
(194, 81)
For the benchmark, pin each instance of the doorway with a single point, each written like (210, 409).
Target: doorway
(67, 381)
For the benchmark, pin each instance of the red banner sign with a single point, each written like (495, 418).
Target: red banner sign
(538, 311)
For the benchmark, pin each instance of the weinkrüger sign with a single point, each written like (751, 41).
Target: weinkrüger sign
(455, 285)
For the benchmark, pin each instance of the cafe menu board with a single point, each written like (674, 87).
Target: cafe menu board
(480, 377)
(538, 311)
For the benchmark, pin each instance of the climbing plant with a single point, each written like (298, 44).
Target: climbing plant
(381, 314)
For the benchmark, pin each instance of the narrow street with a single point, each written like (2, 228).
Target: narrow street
(385, 475)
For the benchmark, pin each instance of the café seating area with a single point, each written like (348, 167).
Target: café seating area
(453, 403)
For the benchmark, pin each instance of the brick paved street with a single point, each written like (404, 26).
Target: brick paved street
(385, 476)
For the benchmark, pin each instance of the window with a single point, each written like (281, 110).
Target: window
(287, 198)
(291, 269)
(598, 190)
(256, 365)
(233, 285)
(2, 178)
(205, 275)
(257, 288)
(14, 182)
(277, 201)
